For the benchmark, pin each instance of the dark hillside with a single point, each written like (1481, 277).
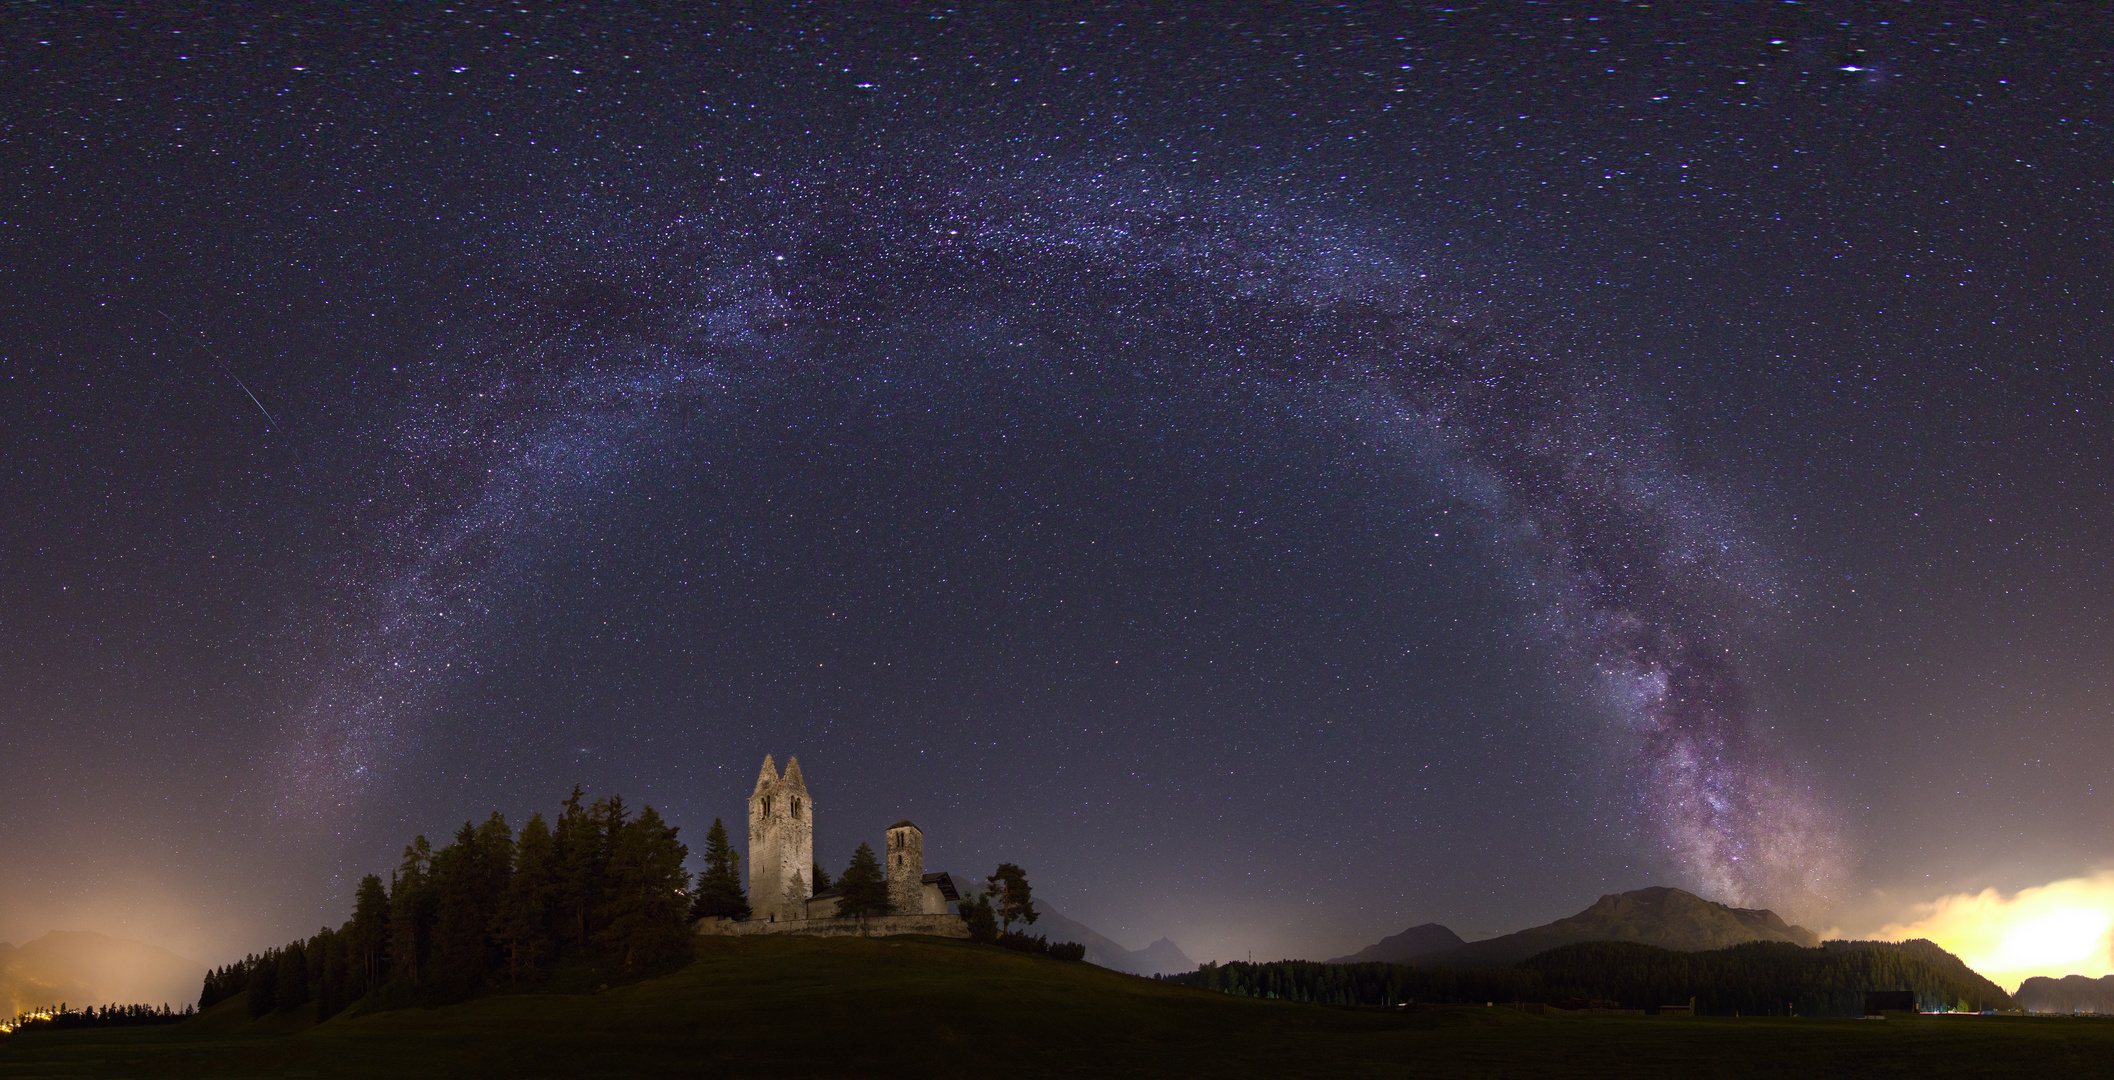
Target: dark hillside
(789, 1007)
(1766, 977)
(1757, 978)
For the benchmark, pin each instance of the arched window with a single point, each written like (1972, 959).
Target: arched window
(796, 807)
(767, 806)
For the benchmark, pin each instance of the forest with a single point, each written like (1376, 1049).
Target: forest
(1761, 978)
(598, 887)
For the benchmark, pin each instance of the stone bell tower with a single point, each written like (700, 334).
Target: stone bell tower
(781, 843)
(906, 868)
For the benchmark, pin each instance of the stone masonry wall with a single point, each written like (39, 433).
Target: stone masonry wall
(951, 926)
(781, 840)
(906, 868)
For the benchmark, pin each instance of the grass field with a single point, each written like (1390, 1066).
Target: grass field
(787, 1007)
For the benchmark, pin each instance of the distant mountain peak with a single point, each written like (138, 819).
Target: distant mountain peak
(2069, 994)
(1661, 910)
(1405, 947)
(1666, 917)
(1162, 957)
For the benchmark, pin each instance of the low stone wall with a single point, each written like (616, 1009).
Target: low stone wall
(877, 926)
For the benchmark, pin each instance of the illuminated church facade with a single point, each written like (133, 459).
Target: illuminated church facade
(782, 899)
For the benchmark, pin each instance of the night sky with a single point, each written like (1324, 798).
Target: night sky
(1279, 476)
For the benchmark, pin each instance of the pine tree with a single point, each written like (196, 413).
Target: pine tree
(580, 860)
(644, 917)
(523, 925)
(862, 891)
(1014, 901)
(983, 925)
(329, 970)
(719, 891)
(367, 939)
(293, 976)
(821, 878)
(469, 877)
(411, 908)
(264, 983)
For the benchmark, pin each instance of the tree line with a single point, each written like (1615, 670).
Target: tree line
(63, 1017)
(597, 884)
(1755, 978)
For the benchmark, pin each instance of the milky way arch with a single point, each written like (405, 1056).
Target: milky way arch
(643, 321)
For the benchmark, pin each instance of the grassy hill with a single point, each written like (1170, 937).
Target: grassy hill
(895, 1006)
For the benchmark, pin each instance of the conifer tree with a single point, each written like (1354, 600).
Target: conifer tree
(580, 862)
(329, 970)
(523, 926)
(264, 983)
(820, 878)
(1011, 897)
(469, 879)
(411, 904)
(367, 938)
(293, 976)
(719, 892)
(862, 891)
(644, 916)
(983, 925)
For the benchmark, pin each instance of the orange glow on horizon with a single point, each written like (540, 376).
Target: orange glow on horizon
(2062, 928)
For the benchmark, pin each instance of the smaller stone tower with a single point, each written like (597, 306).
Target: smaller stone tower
(906, 868)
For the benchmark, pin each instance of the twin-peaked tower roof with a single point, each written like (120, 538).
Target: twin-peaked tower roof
(781, 842)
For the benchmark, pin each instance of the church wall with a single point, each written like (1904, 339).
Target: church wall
(950, 926)
(933, 901)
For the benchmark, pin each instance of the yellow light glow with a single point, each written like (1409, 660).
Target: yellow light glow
(2062, 928)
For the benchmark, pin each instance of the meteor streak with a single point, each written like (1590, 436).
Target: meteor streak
(203, 344)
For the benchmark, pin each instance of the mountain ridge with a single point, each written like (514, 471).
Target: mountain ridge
(1405, 947)
(1162, 957)
(2071, 993)
(1665, 917)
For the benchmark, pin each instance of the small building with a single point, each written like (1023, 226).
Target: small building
(1881, 1002)
(940, 893)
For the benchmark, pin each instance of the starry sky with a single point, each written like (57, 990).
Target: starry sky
(1279, 475)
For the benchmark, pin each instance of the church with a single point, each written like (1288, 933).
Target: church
(782, 899)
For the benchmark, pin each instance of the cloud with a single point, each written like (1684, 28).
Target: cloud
(2062, 928)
